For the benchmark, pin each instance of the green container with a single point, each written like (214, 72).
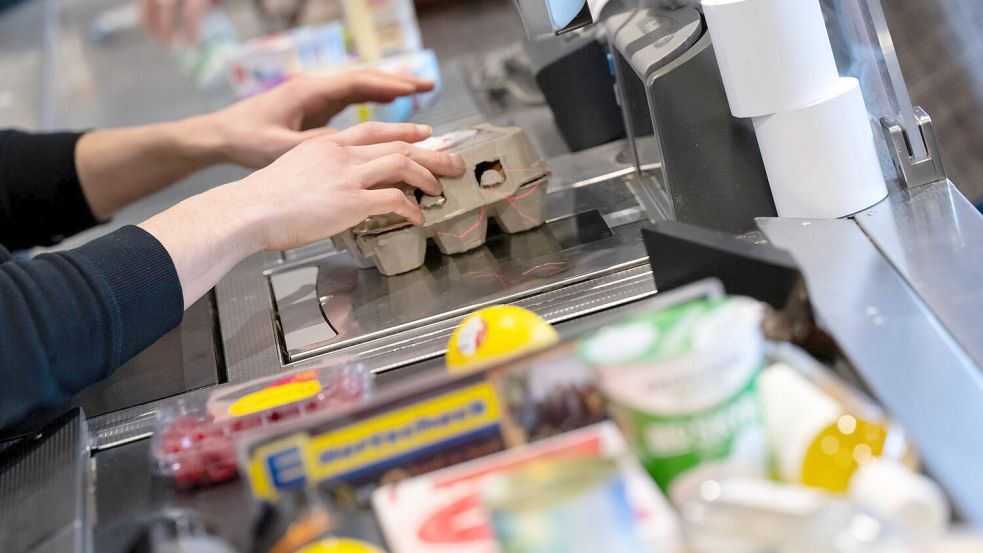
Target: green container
(682, 383)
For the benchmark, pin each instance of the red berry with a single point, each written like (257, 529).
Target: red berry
(171, 446)
(220, 462)
(188, 471)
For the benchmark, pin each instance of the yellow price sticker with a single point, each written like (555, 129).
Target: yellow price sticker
(274, 397)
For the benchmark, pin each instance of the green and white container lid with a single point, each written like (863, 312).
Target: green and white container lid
(682, 383)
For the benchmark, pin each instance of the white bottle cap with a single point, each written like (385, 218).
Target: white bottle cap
(895, 493)
(795, 412)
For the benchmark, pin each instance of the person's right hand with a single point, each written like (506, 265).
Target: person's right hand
(322, 187)
(329, 184)
(172, 19)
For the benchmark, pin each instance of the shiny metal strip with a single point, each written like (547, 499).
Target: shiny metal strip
(588, 262)
(897, 346)
(934, 237)
(424, 343)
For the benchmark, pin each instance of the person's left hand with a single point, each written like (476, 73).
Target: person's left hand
(256, 131)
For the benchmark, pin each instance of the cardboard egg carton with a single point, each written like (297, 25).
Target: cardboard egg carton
(506, 180)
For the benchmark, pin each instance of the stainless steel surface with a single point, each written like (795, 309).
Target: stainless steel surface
(298, 309)
(903, 353)
(251, 352)
(362, 305)
(186, 358)
(915, 172)
(44, 487)
(934, 237)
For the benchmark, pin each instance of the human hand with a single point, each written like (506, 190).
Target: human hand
(171, 20)
(331, 183)
(258, 130)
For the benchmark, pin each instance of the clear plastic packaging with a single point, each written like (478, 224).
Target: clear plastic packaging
(267, 61)
(196, 436)
(422, 64)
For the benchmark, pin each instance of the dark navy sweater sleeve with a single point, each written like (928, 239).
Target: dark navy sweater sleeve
(41, 201)
(71, 318)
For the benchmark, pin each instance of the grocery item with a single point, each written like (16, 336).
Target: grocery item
(895, 493)
(818, 442)
(741, 515)
(505, 180)
(549, 393)
(577, 505)
(267, 61)
(422, 64)
(429, 427)
(496, 333)
(195, 439)
(682, 383)
(382, 28)
(443, 512)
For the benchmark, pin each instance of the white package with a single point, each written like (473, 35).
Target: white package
(773, 55)
(821, 159)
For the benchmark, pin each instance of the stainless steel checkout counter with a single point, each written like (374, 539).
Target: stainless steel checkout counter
(897, 286)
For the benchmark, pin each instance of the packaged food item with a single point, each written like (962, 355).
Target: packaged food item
(429, 424)
(263, 63)
(741, 515)
(818, 441)
(495, 334)
(682, 383)
(445, 511)
(195, 439)
(547, 394)
(895, 493)
(433, 424)
(382, 27)
(577, 505)
(422, 64)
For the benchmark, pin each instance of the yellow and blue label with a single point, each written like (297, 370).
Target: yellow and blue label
(371, 446)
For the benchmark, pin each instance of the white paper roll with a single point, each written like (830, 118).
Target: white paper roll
(821, 159)
(773, 55)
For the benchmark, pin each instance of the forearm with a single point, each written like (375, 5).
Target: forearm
(117, 167)
(71, 318)
(207, 235)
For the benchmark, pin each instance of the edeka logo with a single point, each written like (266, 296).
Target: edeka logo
(335, 453)
(381, 440)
